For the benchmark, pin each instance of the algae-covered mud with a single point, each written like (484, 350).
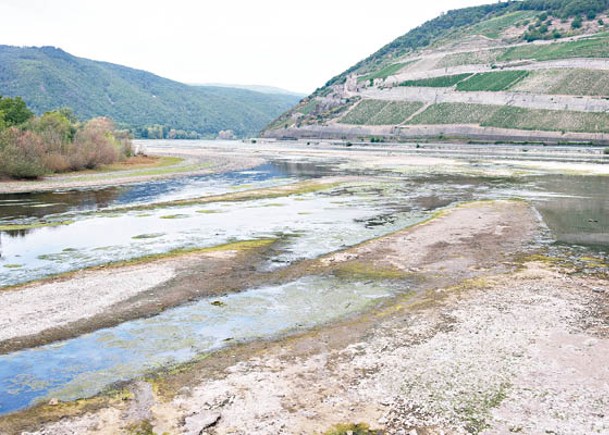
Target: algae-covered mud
(319, 205)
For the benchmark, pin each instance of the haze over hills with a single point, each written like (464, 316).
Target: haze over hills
(256, 88)
(48, 78)
(514, 71)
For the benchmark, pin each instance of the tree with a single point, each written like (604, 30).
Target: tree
(14, 111)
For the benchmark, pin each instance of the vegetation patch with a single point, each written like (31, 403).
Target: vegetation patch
(492, 81)
(597, 47)
(494, 27)
(148, 236)
(175, 216)
(437, 82)
(566, 82)
(141, 162)
(513, 117)
(385, 72)
(207, 211)
(377, 112)
(549, 120)
(33, 146)
(359, 270)
(454, 113)
(353, 429)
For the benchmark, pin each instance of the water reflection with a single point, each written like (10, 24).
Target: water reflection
(578, 213)
(26, 207)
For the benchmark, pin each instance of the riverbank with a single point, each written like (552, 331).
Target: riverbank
(485, 318)
(169, 163)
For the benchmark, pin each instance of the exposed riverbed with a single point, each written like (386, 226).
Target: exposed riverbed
(366, 197)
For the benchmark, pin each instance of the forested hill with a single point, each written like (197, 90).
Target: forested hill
(530, 70)
(48, 78)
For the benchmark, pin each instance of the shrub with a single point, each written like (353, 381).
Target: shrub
(55, 142)
(22, 154)
(577, 22)
(94, 145)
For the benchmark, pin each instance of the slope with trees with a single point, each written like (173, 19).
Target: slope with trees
(48, 78)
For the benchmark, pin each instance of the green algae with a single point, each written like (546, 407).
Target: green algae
(360, 270)
(33, 226)
(207, 211)
(175, 216)
(148, 236)
(352, 429)
(295, 189)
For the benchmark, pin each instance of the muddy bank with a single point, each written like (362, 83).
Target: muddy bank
(85, 301)
(307, 383)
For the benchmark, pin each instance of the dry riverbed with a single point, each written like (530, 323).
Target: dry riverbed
(494, 340)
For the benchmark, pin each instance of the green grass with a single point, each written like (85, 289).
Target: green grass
(492, 81)
(376, 112)
(437, 82)
(513, 117)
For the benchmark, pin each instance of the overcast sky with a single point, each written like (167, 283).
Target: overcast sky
(296, 45)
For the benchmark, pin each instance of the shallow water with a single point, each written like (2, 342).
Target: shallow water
(85, 365)
(26, 207)
(575, 208)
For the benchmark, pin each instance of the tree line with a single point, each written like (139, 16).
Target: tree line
(32, 146)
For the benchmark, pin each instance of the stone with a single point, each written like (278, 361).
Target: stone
(197, 423)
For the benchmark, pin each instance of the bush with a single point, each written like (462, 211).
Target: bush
(97, 143)
(56, 142)
(22, 154)
(577, 22)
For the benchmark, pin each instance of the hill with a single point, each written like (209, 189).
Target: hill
(48, 78)
(532, 70)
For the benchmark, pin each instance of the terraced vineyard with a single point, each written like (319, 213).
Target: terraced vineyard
(492, 81)
(512, 117)
(566, 82)
(437, 82)
(480, 77)
(375, 112)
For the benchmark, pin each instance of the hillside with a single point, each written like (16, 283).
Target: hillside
(48, 78)
(515, 71)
